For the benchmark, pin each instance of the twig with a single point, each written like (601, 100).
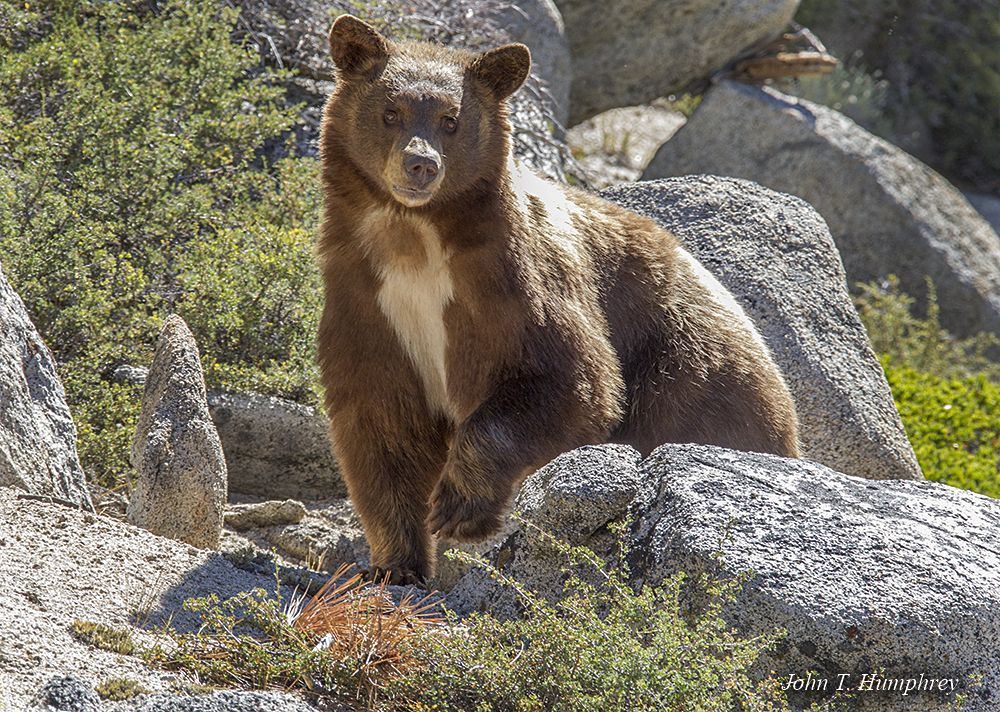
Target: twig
(56, 500)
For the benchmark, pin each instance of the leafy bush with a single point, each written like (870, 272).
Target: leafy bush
(953, 424)
(602, 646)
(129, 137)
(921, 343)
(945, 389)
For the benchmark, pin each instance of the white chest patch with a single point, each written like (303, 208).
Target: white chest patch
(413, 297)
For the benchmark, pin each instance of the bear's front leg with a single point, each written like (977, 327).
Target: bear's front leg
(468, 506)
(390, 463)
(526, 423)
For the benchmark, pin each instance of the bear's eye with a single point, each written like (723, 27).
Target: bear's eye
(449, 124)
(390, 116)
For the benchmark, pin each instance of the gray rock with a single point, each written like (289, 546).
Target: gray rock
(180, 492)
(538, 24)
(61, 565)
(893, 577)
(275, 447)
(129, 375)
(321, 541)
(264, 514)
(775, 254)
(888, 213)
(568, 484)
(37, 435)
(325, 536)
(67, 694)
(629, 52)
(901, 578)
(616, 146)
(223, 702)
(450, 569)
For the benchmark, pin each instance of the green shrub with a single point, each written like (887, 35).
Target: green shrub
(247, 641)
(946, 389)
(953, 424)
(602, 646)
(133, 184)
(921, 343)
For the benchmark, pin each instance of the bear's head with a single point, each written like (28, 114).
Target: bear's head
(421, 123)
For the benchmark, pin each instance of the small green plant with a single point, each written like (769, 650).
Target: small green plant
(343, 643)
(244, 641)
(120, 688)
(103, 636)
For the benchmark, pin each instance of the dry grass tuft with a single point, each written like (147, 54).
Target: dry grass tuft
(355, 619)
(347, 640)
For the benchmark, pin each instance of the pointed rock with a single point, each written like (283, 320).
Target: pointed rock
(181, 489)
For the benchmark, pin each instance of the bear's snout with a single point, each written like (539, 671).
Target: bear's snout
(421, 162)
(420, 169)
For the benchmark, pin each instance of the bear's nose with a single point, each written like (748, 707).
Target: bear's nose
(421, 169)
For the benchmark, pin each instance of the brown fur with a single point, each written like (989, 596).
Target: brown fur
(566, 320)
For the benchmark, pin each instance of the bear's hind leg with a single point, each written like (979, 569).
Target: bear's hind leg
(734, 405)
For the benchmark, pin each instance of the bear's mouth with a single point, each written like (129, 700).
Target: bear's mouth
(411, 197)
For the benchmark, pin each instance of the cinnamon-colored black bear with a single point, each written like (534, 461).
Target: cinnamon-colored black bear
(480, 320)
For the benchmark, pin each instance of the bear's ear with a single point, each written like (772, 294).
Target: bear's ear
(356, 46)
(502, 70)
